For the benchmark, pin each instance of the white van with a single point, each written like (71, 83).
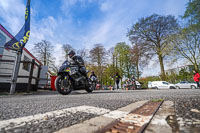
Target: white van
(161, 85)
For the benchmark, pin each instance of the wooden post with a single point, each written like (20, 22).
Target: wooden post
(38, 77)
(15, 72)
(30, 76)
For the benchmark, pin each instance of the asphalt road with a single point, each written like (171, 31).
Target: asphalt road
(187, 105)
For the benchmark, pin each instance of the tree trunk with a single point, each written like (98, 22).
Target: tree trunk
(163, 77)
(137, 70)
(116, 64)
(196, 67)
(45, 57)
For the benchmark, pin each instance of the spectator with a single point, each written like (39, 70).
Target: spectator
(98, 85)
(117, 79)
(127, 84)
(134, 82)
(196, 78)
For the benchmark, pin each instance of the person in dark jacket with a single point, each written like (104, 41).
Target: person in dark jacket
(196, 77)
(78, 60)
(117, 79)
(93, 75)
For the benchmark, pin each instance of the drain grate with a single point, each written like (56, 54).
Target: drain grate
(134, 122)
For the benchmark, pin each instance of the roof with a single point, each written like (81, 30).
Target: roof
(11, 36)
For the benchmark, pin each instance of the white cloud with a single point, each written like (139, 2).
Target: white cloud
(59, 54)
(115, 18)
(12, 16)
(105, 6)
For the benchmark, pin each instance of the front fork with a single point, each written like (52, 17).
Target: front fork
(66, 80)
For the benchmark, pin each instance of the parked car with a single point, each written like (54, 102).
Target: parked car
(186, 85)
(161, 85)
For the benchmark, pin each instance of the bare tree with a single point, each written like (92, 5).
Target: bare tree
(67, 48)
(98, 56)
(140, 56)
(155, 31)
(83, 53)
(187, 45)
(43, 51)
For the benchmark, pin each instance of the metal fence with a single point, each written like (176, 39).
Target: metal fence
(7, 64)
(7, 59)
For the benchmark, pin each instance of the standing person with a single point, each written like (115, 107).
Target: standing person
(117, 79)
(134, 82)
(196, 78)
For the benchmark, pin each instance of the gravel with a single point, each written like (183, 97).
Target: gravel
(187, 105)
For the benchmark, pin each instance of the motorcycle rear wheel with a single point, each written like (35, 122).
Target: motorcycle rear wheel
(64, 90)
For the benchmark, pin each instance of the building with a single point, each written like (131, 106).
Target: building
(187, 68)
(7, 58)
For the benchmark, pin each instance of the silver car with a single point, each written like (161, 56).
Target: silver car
(186, 85)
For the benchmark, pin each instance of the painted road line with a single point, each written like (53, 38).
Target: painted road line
(159, 122)
(97, 123)
(17, 122)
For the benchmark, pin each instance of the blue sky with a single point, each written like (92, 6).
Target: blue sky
(83, 23)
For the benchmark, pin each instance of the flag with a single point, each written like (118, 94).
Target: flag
(19, 41)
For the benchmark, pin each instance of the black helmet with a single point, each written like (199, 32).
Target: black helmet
(71, 53)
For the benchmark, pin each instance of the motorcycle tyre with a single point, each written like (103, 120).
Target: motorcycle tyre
(59, 88)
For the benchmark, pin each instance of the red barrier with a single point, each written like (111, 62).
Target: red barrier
(53, 78)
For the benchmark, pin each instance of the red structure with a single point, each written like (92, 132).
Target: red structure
(53, 78)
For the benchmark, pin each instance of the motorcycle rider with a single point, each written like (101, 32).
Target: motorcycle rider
(78, 60)
(93, 78)
(93, 75)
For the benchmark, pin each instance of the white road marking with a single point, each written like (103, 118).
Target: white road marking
(116, 114)
(17, 122)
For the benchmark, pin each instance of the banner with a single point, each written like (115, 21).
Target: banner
(19, 41)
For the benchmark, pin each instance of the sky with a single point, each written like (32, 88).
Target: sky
(83, 23)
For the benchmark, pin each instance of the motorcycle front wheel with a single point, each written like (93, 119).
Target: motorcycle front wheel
(63, 86)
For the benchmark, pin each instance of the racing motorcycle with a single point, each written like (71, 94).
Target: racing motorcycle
(69, 78)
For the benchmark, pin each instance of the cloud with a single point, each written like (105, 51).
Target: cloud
(106, 6)
(12, 16)
(83, 23)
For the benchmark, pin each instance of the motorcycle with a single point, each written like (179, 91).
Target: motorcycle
(69, 78)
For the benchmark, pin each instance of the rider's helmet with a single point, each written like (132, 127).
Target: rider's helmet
(71, 54)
